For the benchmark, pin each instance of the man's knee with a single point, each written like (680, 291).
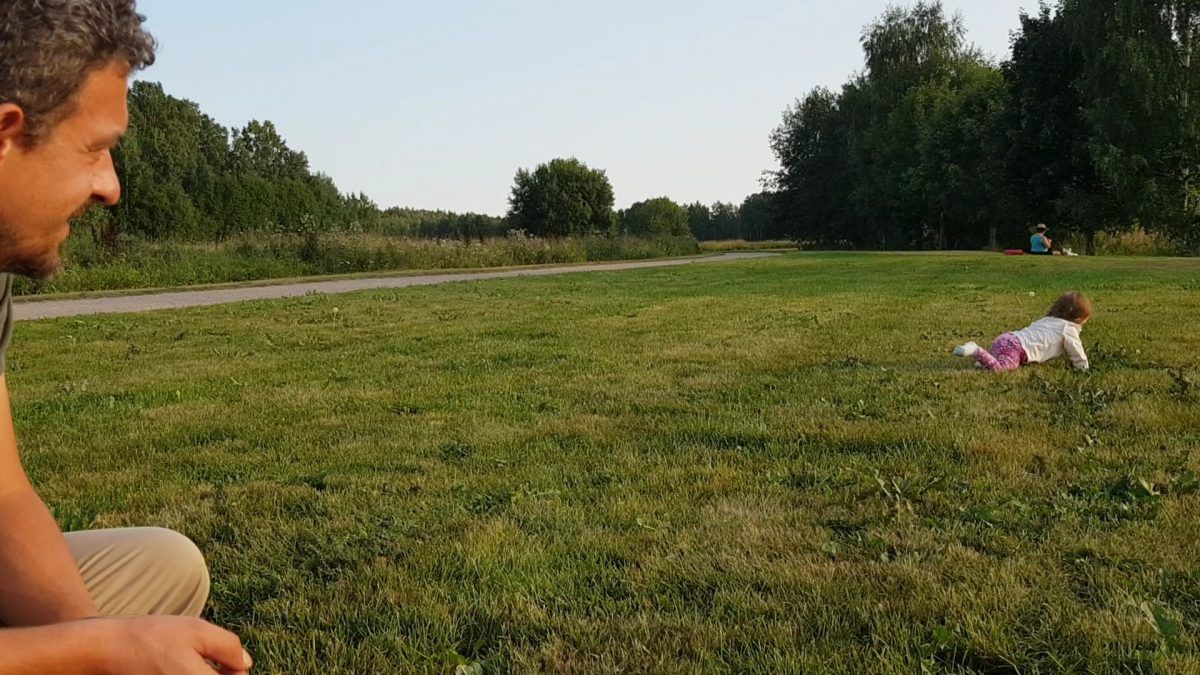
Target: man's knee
(140, 571)
(181, 565)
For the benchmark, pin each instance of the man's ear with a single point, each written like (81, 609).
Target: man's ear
(12, 127)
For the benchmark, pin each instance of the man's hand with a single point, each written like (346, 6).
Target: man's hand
(167, 645)
(152, 645)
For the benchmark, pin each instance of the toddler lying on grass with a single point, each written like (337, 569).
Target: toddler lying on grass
(1045, 339)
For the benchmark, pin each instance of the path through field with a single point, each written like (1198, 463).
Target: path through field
(50, 309)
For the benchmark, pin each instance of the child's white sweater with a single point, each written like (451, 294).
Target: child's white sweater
(1048, 338)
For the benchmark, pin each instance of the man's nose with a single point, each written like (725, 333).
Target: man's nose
(106, 189)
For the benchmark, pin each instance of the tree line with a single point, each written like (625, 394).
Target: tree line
(185, 177)
(1089, 126)
(565, 197)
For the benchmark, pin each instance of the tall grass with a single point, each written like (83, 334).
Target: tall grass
(743, 245)
(1131, 242)
(141, 264)
(1135, 242)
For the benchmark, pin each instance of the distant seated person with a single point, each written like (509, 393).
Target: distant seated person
(1039, 243)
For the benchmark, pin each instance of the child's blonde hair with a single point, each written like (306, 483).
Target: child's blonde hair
(1071, 306)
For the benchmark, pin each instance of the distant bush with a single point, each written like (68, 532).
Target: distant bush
(1134, 242)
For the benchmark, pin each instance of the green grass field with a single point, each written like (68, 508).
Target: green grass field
(766, 466)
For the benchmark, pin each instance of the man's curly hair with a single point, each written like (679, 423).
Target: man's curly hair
(48, 48)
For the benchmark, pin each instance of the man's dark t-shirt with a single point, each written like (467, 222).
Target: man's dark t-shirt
(5, 317)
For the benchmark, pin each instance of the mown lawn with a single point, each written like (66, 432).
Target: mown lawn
(767, 466)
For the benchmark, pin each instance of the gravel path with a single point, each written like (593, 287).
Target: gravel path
(49, 309)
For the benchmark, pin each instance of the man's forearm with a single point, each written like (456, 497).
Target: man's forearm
(41, 582)
(66, 648)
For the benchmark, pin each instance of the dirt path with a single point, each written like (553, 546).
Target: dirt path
(50, 309)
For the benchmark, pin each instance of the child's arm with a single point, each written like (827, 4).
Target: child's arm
(1074, 347)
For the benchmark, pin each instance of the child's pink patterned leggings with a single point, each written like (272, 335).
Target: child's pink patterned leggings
(1006, 353)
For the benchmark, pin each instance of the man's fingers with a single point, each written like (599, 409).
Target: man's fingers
(215, 667)
(223, 670)
(223, 648)
(200, 666)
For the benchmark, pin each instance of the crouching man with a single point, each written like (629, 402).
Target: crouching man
(64, 78)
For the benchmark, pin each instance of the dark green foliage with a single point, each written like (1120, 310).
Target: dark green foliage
(206, 204)
(699, 216)
(906, 156)
(813, 180)
(655, 217)
(402, 222)
(1089, 127)
(1138, 84)
(1048, 162)
(755, 219)
(759, 218)
(186, 177)
(562, 198)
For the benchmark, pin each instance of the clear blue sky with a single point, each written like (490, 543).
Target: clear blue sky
(436, 104)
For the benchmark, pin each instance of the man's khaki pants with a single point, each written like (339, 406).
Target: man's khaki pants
(140, 571)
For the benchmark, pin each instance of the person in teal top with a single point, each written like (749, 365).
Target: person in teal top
(1039, 243)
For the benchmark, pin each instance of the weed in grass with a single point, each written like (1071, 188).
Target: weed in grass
(456, 451)
(1183, 386)
(1078, 402)
(1165, 627)
(73, 519)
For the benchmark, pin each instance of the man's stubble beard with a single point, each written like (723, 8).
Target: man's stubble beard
(43, 265)
(40, 266)
(17, 258)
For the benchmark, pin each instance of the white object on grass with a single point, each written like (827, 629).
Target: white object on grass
(969, 349)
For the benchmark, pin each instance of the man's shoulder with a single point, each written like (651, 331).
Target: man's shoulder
(6, 318)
